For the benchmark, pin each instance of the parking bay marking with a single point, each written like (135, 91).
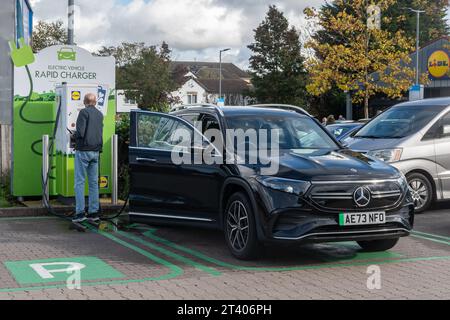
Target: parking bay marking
(430, 235)
(150, 234)
(59, 269)
(176, 271)
(418, 235)
(171, 254)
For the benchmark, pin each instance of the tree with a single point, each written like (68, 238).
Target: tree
(363, 60)
(277, 65)
(433, 22)
(143, 72)
(46, 34)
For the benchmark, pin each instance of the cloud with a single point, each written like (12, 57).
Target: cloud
(194, 29)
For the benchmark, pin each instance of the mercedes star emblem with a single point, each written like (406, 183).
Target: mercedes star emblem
(362, 197)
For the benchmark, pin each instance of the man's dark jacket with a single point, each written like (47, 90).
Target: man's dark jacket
(89, 135)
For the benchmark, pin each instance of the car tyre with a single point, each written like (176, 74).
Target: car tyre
(421, 191)
(240, 228)
(378, 245)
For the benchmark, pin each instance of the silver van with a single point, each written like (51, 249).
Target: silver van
(414, 137)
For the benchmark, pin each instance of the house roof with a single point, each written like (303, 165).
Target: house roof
(212, 85)
(182, 81)
(234, 80)
(228, 86)
(210, 70)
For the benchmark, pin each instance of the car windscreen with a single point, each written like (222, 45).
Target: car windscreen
(295, 132)
(340, 130)
(399, 122)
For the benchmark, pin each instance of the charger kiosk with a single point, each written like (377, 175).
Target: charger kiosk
(63, 74)
(70, 98)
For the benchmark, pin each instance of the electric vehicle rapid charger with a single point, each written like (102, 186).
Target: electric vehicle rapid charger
(69, 100)
(36, 108)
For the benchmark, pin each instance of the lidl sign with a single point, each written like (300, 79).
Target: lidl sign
(76, 95)
(103, 182)
(439, 65)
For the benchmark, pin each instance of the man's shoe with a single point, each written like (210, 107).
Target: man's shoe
(78, 219)
(93, 217)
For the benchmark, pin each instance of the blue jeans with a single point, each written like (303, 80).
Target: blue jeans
(86, 162)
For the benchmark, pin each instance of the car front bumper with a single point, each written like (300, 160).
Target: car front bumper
(301, 226)
(289, 218)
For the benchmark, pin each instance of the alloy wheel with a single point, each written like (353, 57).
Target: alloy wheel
(419, 193)
(237, 225)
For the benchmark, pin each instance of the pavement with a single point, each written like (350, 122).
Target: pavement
(39, 257)
(32, 208)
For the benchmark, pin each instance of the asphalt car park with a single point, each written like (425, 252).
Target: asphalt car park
(155, 262)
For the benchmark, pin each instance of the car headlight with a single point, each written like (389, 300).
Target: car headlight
(297, 187)
(387, 155)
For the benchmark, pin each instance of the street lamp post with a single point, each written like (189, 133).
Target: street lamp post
(220, 71)
(71, 22)
(417, 12)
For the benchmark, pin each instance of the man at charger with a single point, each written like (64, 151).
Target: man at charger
(89, 143)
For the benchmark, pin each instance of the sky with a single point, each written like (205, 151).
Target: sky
(194, 29)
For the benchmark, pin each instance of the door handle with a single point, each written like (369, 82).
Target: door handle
(146, 160)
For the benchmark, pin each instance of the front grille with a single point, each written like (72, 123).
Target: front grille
(340, 196)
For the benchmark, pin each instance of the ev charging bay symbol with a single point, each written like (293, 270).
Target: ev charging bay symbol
(60, 269)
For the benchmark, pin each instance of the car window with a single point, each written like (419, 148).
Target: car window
(441, 129)
(399, 122)
(309, 137)
(338, 130)
(160, 132)
(192, 118)
(210, 128)
(294, 132)
(208, 123)
(433, 132)
(444, 128)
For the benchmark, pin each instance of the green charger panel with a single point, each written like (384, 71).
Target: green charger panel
(27, 155)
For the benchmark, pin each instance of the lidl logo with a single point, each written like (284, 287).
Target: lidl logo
(438, 64)
(76, 95)
(103, 182)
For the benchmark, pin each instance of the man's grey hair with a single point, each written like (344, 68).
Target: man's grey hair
(90, 99)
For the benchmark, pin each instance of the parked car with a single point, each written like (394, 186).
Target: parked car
(414, 137)
(344, 130)
(321, 192)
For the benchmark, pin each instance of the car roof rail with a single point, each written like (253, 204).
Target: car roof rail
(188, 106)
(199, 105)
(281, 106)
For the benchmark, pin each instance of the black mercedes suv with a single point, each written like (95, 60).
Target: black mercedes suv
(310, 189)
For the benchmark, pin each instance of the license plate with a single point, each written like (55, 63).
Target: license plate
(362, 218)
